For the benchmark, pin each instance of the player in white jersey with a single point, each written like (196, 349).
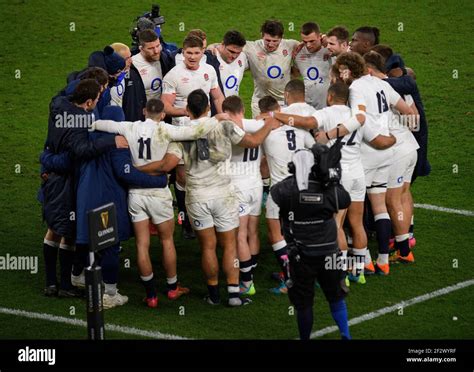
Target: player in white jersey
(279, 148)
(337, 41)
(187, 77)
(375, 138)
(244, 171)
(179, 57)
(314, 66)
(148, 142)
(375, 97)
(232, 62)
(148, 63)
(116, 91)
(352, 172)
(210, 197)
(178, 84)
(270, 63)
(400, 172)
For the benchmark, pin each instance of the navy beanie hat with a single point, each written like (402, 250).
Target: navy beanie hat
(113, 62)
(394, 61)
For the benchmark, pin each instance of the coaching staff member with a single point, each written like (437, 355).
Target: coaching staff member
(308, 201)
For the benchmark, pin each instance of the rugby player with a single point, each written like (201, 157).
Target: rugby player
(270, 63)
(313, 65)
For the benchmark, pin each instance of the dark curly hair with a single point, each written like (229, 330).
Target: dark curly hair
(354, 62)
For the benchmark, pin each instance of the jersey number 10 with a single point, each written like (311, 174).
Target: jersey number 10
(253, 154)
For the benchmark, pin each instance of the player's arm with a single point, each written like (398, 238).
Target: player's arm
(173, 155)
(187, 132)
(403, 108)
(111, 126)
(213, 47)
(382, 142)
(58, 163)
(295, 72)
(164, 165)
(82, 148)
(377, 140)
(305, 122)
(168, 100)
(131, 176)
(217, 98)
(355, 122)
(251, 140)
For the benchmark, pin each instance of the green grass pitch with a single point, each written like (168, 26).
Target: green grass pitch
(434, 39)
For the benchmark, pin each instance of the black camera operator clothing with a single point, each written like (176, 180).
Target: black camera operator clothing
(308, 216)
(311, 232)
(305, 270)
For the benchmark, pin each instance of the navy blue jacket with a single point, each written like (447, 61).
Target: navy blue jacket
(407, 85)
(59, 189)
(103, 180)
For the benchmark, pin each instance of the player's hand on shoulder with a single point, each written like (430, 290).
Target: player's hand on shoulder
(296, 50)
(121, 142)
(222, 116)
(324, 40)
(273, 123)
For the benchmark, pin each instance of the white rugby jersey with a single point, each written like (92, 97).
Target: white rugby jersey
(281, 143)
(244, 166)
(328, 118)
(232, 73)
(299, 108)
(315, 71)
(149, 140)
(406, 141)
(151, 75)
(377, 96)
(181, 81)
(208, 179)
(271, 71)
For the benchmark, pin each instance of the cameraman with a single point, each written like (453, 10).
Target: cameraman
(308, 201)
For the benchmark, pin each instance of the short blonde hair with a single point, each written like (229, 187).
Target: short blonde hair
(120, 48)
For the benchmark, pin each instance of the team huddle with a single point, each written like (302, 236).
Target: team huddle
(162, 117)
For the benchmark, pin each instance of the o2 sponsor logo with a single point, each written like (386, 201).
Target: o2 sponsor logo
(313, 74)
(241, 208)
(231, 82)
(156, 84)
(400, 179)
(119, 89)
(197, 223)
(274, 72)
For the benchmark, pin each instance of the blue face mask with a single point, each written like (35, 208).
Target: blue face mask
(158, 30)
(121, 77)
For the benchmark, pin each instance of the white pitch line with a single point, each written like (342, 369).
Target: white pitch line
(443, 209)
(390, 309)
(82, 323)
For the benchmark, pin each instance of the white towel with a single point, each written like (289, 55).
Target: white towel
(303, 161)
